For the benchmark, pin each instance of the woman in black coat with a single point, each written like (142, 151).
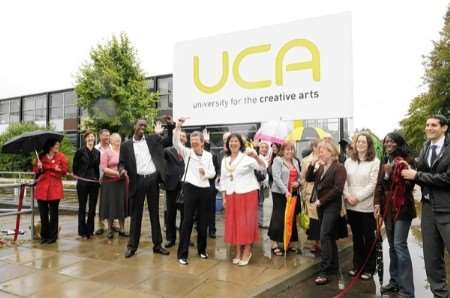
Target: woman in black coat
(86, 164)
(329, 178)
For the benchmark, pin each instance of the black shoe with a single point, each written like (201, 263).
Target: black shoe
(389, 288)
(212, 235)
(99, 232)
(123, 234)
(50, 241)
(129, 253)
(170, 244)
(160, 250)
(115, 229)
(44, 241)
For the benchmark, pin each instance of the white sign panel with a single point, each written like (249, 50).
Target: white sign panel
(298, 70)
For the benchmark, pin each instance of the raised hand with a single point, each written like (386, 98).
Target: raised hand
(206, 136)
(158, 127)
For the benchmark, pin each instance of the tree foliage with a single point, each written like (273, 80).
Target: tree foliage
(111, 87)
(437, 99)
(22, 162)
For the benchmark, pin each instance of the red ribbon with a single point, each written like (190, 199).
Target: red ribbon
(356, 279)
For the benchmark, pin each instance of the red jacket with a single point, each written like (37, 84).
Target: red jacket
(49, 185)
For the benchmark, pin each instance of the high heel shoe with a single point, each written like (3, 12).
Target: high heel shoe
(245, 262)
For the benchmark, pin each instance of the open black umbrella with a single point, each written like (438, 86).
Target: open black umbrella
(28, 142)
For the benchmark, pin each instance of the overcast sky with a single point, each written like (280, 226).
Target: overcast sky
(43, 43)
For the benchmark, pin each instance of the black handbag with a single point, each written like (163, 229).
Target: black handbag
(260, 175)
(180, 197)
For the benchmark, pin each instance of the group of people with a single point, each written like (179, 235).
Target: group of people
(362, 191)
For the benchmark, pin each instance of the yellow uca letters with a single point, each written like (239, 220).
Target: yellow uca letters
(313, 65)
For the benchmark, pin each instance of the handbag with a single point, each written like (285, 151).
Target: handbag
(260, 175)
(180, 197)
(303, 218)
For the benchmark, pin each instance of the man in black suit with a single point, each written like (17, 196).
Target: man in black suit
(433, 175)
(175, 171)
(142, 158)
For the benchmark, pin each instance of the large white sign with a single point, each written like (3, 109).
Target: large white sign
(298, 70)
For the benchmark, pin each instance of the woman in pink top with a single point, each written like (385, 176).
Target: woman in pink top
(113, 196)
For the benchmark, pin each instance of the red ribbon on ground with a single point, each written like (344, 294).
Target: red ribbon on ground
(355, 279)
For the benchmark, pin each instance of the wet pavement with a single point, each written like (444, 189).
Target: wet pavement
(97, 268)
(307, 288)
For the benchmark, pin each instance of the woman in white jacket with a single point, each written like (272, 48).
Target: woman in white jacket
(362, 172)
(240, 192)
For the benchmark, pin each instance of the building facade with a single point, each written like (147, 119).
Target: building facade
(59, 109)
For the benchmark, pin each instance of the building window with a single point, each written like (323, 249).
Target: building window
(165, 93)
(35, 108)
(70, 105)
(56, 106)
(150, 84)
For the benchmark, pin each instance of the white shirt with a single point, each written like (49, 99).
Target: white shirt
(144, 162)
(439, 144)
(361, 182)
(238, 176)
(193, 163)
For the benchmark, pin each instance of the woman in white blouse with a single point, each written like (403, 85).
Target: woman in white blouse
(362, 172)
(240, 192)
(196, 191)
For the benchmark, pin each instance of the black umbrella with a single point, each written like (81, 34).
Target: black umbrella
(28, 142)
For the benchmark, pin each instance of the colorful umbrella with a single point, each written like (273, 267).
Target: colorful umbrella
(273, 131)
(306, 133)
(289, 217)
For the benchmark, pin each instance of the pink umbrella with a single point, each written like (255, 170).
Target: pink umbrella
(273, 132)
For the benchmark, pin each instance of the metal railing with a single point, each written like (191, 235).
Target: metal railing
(16, 183)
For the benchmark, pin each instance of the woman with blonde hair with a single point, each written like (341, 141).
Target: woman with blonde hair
(329, 178)
(286, 180)
(113, 196)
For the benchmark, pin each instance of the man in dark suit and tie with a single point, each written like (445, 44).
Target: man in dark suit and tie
(142, 158)
(433, 175)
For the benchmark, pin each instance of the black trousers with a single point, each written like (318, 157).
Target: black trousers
(363, 232)
(196, 201)
(172, 207)
(212, 210)
(436, 239)
(49, 224)
(329, 258)
(146, 186)
(87, 195)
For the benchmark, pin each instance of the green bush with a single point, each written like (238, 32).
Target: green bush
(22, 162)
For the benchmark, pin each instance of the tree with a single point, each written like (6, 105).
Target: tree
(22, 162)
(437, 99)
(111, 87)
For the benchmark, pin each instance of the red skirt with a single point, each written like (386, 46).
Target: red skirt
(241, 218)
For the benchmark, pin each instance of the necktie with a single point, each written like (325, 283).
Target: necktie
(433, 154)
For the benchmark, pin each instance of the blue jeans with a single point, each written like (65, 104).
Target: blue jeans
(400, 267)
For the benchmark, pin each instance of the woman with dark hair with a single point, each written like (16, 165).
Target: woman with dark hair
(239, 188)
(50, 168)
(394, 199)
(86, 164)
(362, 168)
(286, 180)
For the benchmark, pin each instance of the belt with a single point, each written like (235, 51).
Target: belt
(146, 175)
